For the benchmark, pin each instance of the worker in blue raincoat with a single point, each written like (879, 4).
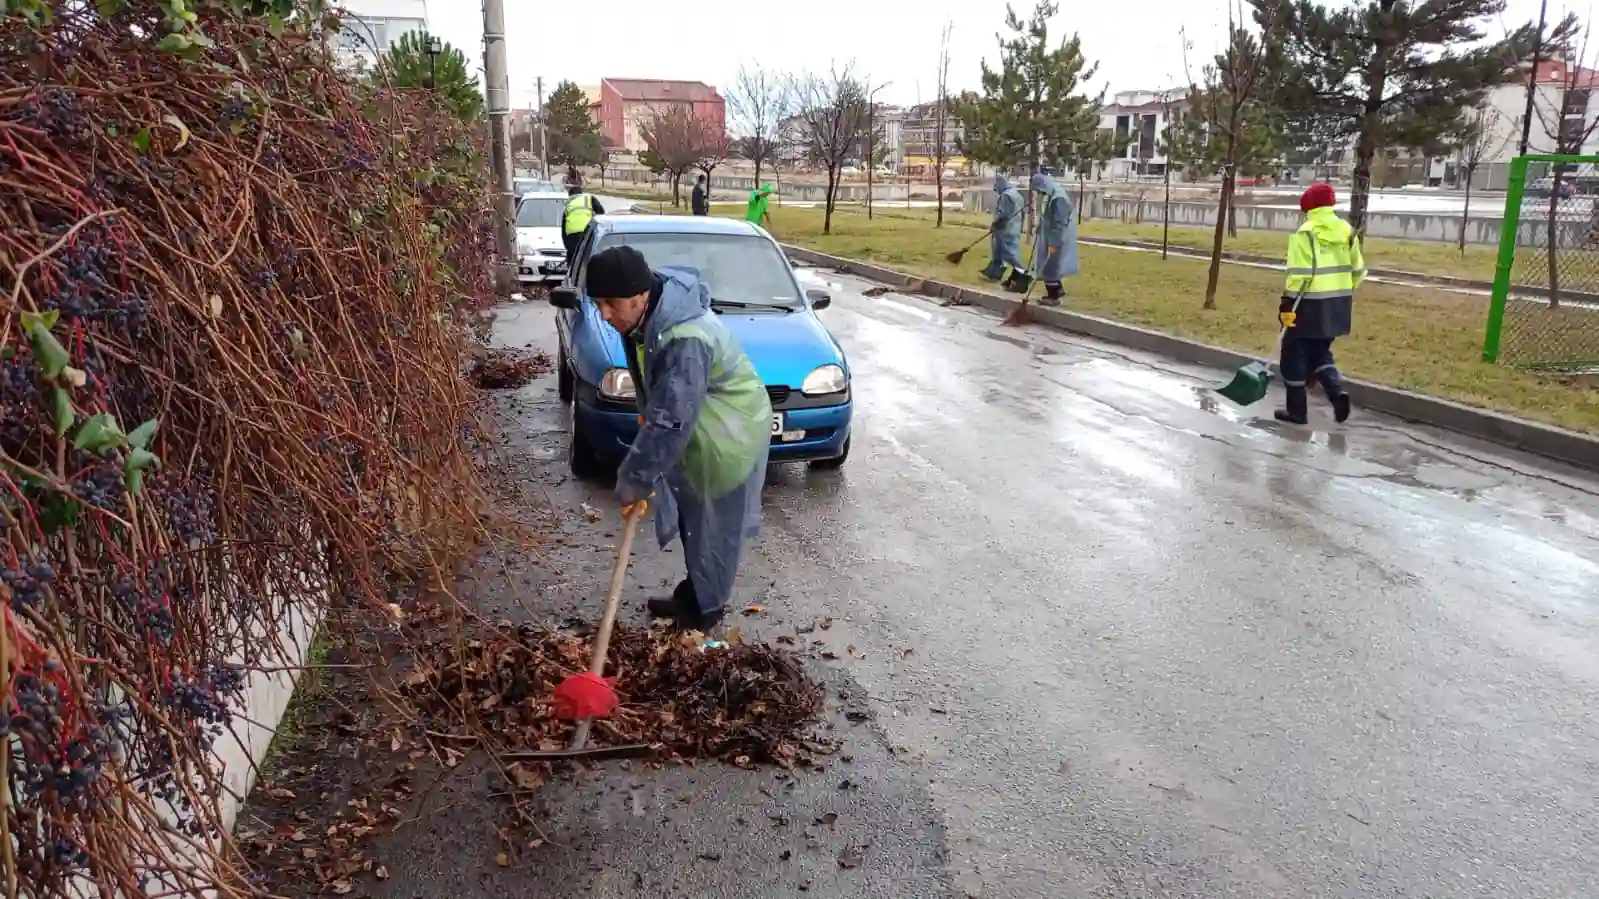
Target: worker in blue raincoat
(1055, 246)
(704, 431)
(1005, 238)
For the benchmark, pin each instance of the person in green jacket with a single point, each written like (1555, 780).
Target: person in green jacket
(700, 455)
(757, 209)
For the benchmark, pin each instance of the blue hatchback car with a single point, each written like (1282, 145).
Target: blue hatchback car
(754, 290)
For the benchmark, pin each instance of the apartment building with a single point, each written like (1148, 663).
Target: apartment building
(372, 26)
(1140, 117)
(625, 102)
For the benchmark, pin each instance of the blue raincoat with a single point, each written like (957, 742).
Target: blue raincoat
(704, 437)
(1005, 247)
(1057, 227)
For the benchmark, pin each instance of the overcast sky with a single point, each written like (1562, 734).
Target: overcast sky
(1135, 44)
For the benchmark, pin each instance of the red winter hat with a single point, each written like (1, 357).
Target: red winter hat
(1316, 196)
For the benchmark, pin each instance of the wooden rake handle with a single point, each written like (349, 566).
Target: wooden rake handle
(613, 600)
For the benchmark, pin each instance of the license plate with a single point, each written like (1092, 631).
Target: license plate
(554, 268)
(777, 423)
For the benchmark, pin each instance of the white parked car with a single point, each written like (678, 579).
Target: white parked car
(541, 257)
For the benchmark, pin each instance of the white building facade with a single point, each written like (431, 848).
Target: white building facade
(1140, 118)
(373, 26)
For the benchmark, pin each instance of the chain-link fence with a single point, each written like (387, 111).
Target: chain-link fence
(1545, 309)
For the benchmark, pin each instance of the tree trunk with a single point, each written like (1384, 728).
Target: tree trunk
(1553, 234)
(938, 185)
(1219, 235)
(1232, 209)
(677, 179)
(1079, 196)
(757, 174)
(1165, 214)
(1465, 215)
(832, 191)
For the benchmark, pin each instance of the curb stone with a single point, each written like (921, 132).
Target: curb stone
(1495, 427)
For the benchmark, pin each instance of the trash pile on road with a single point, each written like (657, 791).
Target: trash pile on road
(742, 703)
(504, 369)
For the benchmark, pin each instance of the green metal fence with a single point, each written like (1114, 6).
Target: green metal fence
(1545, 309)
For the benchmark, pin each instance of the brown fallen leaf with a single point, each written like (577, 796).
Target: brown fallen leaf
(851, 857)
(754, 609)
(381, 873)
(502, 859)
(827, 623)
(343, 887)
(828, 819)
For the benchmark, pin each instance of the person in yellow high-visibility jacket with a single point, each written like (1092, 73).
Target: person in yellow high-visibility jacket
(581, 208)
(1325, 265)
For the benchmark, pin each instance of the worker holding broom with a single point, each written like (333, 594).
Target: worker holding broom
(1005, 239)
(1055, 250)
(700, 453)
(1325, 264)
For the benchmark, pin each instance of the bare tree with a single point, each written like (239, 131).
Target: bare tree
(1482, 137)
(940, 152)
(1568, 122)
(759, 101)
(712, 149)
(833, 115)
(672, 135)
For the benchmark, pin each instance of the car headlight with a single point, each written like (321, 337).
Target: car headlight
(824, 380)
(617, 385)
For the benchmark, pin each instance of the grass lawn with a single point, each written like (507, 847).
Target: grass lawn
(1424, 340)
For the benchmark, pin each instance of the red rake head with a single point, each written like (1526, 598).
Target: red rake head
(585, 695)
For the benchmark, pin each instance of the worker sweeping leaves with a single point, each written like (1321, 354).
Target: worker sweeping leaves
(1005, 239)
(1325, 264)
(706, 425)
(1055, 249)
(756, 211)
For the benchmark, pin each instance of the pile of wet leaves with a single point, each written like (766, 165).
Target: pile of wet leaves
(503, 369)
(743, 703)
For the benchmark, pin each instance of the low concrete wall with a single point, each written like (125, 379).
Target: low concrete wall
(1441, 227)
(887, 190)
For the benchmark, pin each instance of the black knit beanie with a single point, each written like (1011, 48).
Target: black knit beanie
(618, 272)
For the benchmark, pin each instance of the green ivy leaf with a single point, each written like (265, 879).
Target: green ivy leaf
(139, 437)
(61, 407)
(108, 8)
(141, 141)
(48, 352)
(98, 433)
(133, 469)
(59, 512)
(173, 43)
(45, 320)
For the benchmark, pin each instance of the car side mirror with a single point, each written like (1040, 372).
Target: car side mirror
(563, 297)
(820, 299)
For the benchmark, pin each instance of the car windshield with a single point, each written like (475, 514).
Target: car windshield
(540, 212)
(738, 268)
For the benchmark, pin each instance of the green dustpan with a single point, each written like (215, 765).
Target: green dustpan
(1252, 381)
(1249, 384)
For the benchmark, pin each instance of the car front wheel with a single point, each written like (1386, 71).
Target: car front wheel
(836, 462)
(565, 384)
(580, 452)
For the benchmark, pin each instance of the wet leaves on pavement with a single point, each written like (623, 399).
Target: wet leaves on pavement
(500, 369)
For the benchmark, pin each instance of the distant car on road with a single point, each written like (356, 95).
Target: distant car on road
(526, 186)
(755, 292)
(1543, 187)
(541, 257)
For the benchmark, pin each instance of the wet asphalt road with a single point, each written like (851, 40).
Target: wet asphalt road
(1120, 640)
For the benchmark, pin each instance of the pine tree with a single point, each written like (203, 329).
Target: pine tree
(446, 74)
(1390, 74)
(574, 136)
(1030, 111)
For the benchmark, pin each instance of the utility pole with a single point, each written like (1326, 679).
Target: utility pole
(1532, 78)
(544, 130)
(871, 138)
(497, 89)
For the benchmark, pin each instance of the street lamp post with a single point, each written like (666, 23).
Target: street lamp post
(435, 46)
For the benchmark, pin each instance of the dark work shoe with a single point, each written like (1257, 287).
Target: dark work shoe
(663, 607)
(1285, 415)
(1341, 407)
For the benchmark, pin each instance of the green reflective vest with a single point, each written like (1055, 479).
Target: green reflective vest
(1324, 258)
(579, 212)
(735, 424)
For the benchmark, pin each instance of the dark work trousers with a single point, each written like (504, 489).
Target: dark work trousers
(571, 242)
(1303, 359)
(684, 595)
